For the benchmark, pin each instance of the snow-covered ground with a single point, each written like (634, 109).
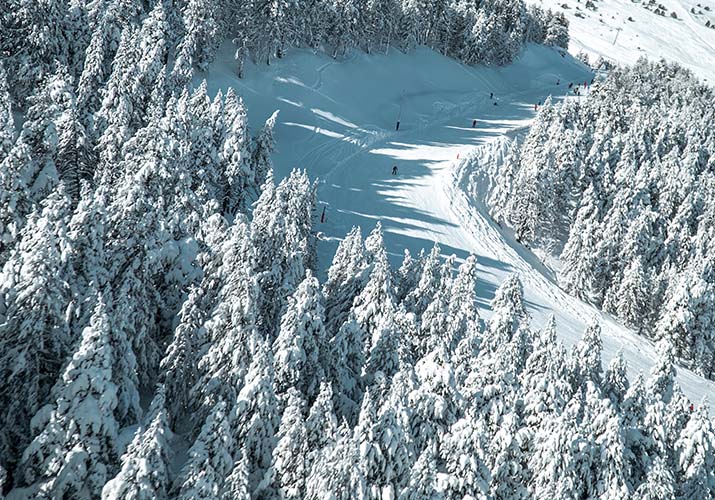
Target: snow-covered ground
(608, 32)
(337, 120)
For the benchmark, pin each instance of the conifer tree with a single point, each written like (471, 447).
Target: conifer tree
(35, 336)
(74, 453)
(7, 123)
(695, 455)
(145, 465)
(287, 474)
(301, 345)
(210, 457)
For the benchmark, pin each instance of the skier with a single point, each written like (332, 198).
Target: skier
(692, 407)
(474, 123)
(491, 95)
(558, 81)
(570, 84)
(536, 107)
(394, 170)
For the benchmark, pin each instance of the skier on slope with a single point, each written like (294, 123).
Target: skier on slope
(394, 170)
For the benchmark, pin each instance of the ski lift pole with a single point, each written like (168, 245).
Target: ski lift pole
(399, 112)
(618, 32)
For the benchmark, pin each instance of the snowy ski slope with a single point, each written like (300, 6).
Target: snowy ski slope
(607, 31)
(337, 120)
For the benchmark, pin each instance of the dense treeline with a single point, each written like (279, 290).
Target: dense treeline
(39, 38)
(377, 383)
(486, 32)
(159, 285)
(622, 184)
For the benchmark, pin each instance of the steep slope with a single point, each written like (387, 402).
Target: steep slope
(338, 121)
(624, 30)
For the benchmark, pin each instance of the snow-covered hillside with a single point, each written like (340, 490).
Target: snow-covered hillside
(338, 118)
(624, 30)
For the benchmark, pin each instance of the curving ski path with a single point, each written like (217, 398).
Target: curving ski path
(337, 121)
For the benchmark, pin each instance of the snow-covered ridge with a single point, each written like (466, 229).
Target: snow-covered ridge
(338, 120)
(624, 30)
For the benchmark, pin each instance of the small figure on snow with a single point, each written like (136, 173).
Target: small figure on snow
(536, 107)
(558, 81)
(394, 170)
(692, 408)
(570, 84)
(474, 123)
(491, 95)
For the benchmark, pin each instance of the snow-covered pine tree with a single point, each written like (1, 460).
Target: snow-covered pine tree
(145, 470)
(202, 34)
(347, 355)
(257, 415)
(263, 146)
(695, 451)
(615, 381)
(659, 484)
(510, 474)
(422, 483)
(231, 331)
(336, 473)
(509, 314)
(586, 358)
(211, 457)
(35, 339)
(407, 275)
(661, 382)
(28, 173)
(236, 167)
(75, 452)
(321, 425)
(236, 485)
(288, 471)
(375, 303)
(420, 297)
(345, 280)
(301, 347)
(75, 158)
(463, 315)
(434, 326)
(7, 123)
(464, 453)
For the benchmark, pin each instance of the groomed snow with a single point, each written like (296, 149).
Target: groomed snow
(337, 120)
(608, 32)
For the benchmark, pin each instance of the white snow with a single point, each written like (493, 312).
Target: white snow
(338, 119)
(608, 32)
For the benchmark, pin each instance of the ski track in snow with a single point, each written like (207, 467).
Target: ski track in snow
(320, 129)
(685, 40)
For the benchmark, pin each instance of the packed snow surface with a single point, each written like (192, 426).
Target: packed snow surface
(337, 120)
(624, 30)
